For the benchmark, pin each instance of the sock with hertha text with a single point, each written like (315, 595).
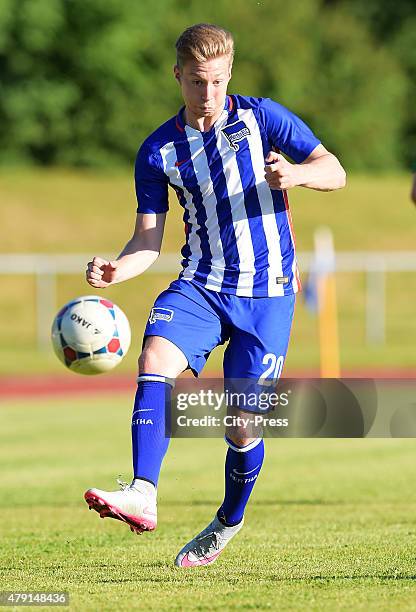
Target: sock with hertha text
(242, 467)
(149, 441)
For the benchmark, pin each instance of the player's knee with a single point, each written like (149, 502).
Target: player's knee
(240, 438)
(159, 356)
(151, 361)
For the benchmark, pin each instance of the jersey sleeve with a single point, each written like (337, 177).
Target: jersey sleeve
(151, 182)
(286, 131)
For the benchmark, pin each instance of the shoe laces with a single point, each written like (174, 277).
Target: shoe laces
(208, 543)
(129, 488)
(122, 484)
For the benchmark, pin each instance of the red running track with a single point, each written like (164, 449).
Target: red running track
(74, 384)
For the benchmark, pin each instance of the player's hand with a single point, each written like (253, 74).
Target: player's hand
(279, 173)
(100, 272)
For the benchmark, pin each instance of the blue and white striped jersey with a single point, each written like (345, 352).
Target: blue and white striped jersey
(239, 236)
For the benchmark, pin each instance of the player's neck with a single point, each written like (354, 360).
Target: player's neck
(203, 124)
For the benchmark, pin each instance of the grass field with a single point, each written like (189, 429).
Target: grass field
(331, 525)
(50, 211)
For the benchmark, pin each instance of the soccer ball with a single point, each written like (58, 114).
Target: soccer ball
(91, 335)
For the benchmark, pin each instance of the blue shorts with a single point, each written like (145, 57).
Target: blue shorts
(197, 320)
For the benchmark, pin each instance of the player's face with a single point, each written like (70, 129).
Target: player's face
(204, 85)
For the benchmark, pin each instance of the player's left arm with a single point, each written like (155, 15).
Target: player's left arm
(321, 170)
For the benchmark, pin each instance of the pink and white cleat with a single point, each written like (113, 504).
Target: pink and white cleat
(135, 504)
(206, 547)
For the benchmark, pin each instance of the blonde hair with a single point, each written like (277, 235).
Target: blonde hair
(202, 42)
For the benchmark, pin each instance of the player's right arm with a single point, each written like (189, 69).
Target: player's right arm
(143, 248)
(140, 253)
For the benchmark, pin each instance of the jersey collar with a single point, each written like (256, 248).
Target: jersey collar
(180, 121)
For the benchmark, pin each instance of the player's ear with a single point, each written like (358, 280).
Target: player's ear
(177, 73)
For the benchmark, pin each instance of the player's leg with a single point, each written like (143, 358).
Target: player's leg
(181, 332)
(256, 351)
(159, 364)
(244, 460)
(254, 356)
(242, 467)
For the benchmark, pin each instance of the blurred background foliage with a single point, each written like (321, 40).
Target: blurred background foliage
(83, 82)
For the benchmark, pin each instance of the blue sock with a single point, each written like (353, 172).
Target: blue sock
(242, 466)
(148, 426)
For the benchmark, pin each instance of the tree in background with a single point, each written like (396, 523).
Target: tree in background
(392, 25)
(79, 84)
(84, 81)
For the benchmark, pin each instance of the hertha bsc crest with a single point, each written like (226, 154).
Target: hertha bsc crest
(160, 314)
(235, 132)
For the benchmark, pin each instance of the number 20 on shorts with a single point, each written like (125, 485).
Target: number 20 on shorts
(274, 369)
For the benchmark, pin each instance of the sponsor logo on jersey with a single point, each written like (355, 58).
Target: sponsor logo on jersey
(160, 314)
(235, 133)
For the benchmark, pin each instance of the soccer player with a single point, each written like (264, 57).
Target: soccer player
(221, 155)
